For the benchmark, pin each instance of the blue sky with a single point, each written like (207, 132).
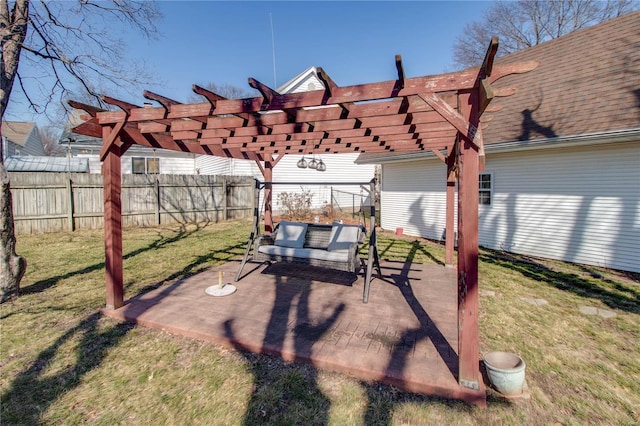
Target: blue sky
(355, 42)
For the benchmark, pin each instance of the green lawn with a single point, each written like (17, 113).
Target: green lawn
(61, 362)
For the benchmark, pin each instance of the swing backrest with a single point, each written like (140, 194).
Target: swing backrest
(318, 236)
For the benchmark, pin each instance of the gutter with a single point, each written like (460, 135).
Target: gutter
(600, 138)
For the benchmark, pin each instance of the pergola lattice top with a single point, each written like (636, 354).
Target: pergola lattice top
(407, 114)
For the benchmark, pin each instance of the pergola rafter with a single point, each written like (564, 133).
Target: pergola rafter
(440, 114)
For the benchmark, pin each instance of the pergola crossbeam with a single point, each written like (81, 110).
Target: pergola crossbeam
(268, 94)
(168, 102)
(468, 130)
(125, 106)
(212, 97)
(162, 100)
(329, 84)
(89, 109)
(110, 140)
(487, 64)
(337, 145)
(342, 95)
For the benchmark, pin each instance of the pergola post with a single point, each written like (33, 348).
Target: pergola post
(268, 206)
(450, 208)
(468, 169)
(267, 174)
(111, 175)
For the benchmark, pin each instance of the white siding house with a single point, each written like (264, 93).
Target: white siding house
(562, 176)
(547, 203)
(335, 180)
(340, 171)
(412, 197)
(562, 209)
(210, 165)
(143, 161)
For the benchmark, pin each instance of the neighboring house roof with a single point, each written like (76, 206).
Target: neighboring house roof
(47, 164)
(17, 131)
(306, 81)
(587, 83)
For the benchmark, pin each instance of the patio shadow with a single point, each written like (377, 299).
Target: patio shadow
(613, 294)
(160, 242)
(427, 328)
(321, 274)
(386, 249)
(199, 265)
(296, 392)
(44, 389)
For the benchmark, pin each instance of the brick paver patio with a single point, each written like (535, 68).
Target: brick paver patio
(406, 335)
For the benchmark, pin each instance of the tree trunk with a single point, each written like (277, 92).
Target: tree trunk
(12, 266)
(13, 30)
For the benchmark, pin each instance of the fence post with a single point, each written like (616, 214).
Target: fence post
(331, 188)
(225, 201)
(157, 188)
(70, 205)
(353, 205)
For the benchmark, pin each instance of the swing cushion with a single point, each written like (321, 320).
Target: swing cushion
(306, 253)
(291, 234)
(342, 236)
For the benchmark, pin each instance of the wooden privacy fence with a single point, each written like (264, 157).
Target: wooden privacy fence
(51, 202)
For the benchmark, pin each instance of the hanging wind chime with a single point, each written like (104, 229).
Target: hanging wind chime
(318, 165)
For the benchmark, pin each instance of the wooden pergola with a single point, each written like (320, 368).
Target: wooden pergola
(439, 113)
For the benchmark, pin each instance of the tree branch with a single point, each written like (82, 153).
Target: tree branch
(77, 45)
(524, 23)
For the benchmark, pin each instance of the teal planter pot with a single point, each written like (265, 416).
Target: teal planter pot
(505, 371)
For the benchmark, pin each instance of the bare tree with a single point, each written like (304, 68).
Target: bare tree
(61, 45)
(525, 23)
(227, 90)
(50, 134)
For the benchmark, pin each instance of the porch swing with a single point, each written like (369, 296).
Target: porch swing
(334, 246)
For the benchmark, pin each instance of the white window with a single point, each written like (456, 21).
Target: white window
(144, 165)
(485, 188)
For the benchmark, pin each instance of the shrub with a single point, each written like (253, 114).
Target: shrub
(296, 205)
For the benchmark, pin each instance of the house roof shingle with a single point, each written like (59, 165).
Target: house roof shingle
(17, 131)
(587, 82)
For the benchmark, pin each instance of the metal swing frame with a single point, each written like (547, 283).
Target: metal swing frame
(373, 260)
